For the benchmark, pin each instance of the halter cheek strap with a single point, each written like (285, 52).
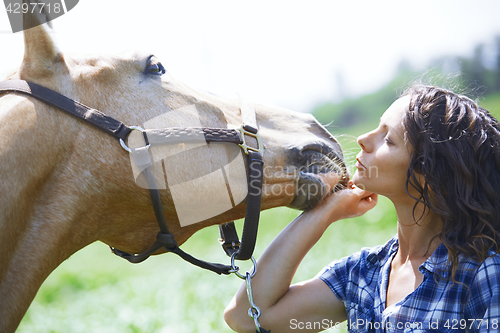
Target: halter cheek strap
(228, 235)
(119, 130)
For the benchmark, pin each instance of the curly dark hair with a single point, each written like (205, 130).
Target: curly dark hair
(456, 148)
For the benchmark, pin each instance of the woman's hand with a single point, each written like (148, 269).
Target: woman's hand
(347, 203)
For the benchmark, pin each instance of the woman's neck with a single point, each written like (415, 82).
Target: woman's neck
(417, 239)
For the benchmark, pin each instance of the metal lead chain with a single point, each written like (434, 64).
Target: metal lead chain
(254, 311)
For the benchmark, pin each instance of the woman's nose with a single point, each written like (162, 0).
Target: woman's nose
(363, 142)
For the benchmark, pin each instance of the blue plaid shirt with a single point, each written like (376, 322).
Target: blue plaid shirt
(437, 305)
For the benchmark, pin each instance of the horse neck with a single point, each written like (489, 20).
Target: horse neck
(37, 214)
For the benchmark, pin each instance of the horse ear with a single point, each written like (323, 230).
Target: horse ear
(40, 51)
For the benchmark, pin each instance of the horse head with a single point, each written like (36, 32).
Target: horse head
(69, 184)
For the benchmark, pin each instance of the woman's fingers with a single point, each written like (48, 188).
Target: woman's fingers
(368, 201)
(350, 202)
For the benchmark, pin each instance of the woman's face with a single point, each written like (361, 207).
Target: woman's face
(384, 159)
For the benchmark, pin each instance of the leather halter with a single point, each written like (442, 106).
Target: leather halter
(119, 130)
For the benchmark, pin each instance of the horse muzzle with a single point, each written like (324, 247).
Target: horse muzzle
(312, 164)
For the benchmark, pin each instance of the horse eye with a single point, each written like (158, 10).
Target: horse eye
(155, 68)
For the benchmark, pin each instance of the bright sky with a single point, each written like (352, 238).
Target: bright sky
(286, 53)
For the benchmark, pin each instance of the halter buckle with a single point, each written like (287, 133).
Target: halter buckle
(229, 248)
(250, 131)
(137, 128)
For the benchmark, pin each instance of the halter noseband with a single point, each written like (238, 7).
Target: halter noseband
(229, 238)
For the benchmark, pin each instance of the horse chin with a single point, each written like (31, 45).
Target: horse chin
(315, 183)
(311, 189)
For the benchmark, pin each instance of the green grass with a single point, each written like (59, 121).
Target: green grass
(94, 291)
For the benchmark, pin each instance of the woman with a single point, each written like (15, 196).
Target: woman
(436, 156)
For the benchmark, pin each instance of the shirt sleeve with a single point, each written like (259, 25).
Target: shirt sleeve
(354, 278)
(336, 274)
(484, 304)
(491, 319)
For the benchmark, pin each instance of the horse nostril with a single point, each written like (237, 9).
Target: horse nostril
(334, 153)
(317, 158)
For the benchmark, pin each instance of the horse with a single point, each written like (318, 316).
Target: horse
(66, 184)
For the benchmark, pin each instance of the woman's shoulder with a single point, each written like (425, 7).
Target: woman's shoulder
(482, 276)
(484, 290)
(489, 269)
(343, 275)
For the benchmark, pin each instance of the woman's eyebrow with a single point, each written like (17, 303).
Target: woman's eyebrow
(382, 124)
(388, 128)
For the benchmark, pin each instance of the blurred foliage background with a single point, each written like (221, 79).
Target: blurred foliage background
(94, 291)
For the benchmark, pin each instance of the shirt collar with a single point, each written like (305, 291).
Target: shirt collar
(380, 254)
(437, 262)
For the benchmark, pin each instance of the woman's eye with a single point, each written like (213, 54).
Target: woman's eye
(155, 68)
(388, 141)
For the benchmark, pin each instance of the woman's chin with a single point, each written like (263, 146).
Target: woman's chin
(356, 180)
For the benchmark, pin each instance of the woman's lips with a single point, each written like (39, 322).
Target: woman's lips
(359, 165)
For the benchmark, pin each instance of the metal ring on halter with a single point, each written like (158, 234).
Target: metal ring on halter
(235, 269)
(137, 128)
